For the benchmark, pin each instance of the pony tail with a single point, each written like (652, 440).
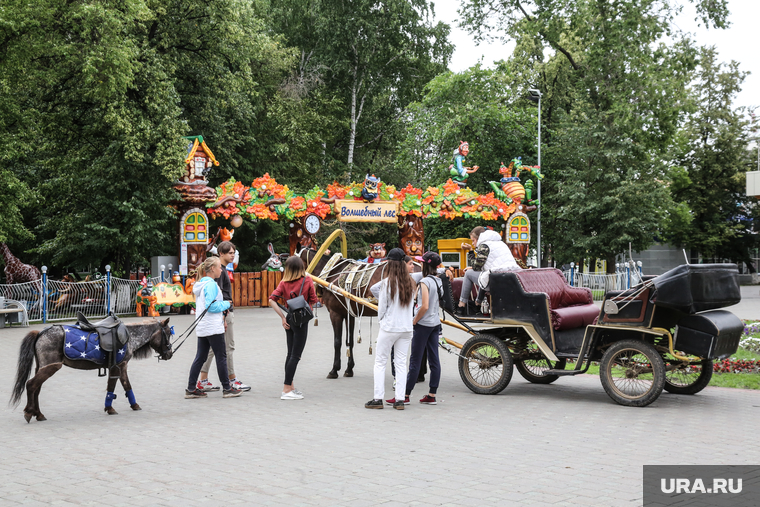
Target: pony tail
(26, 357)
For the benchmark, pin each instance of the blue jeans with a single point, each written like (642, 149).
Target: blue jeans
(424, 338)
(216, 343)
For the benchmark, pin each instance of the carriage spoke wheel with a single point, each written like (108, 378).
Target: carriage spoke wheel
(632, 373)
(532, 369)
(688, 378)
(485, 364)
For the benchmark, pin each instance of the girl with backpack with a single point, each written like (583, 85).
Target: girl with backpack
(427, 329)
(396, 297)
(294, 283)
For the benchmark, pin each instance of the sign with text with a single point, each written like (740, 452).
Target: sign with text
(358, 211)
(701, 485)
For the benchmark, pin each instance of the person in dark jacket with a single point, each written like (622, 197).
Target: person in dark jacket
(226, 251)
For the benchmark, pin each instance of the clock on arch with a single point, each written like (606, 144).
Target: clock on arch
(311, 224)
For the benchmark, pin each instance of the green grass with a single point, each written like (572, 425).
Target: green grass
(736, 380)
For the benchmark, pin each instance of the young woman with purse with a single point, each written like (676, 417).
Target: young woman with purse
(296, 294)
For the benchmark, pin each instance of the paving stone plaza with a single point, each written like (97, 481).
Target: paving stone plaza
(561, 444)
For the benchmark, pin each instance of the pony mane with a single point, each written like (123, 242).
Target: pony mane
(145, 350)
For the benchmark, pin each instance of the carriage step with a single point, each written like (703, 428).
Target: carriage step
(562, 373)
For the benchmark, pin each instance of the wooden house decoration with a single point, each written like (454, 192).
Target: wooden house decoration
(194, 193)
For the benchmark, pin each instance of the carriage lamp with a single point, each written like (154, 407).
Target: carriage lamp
(236, 221)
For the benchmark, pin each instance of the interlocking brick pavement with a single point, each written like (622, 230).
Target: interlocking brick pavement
(562, 444)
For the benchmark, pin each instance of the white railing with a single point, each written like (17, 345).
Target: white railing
(64, 299)
(601, 283)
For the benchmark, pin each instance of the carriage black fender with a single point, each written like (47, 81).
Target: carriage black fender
(712, 335)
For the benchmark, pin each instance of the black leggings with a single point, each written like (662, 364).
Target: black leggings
(296, 343)
(216, 343)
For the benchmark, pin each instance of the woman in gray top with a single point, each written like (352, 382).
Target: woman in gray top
(427, 328)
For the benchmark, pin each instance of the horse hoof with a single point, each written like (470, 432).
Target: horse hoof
(348, 374)
(135, 407)
(41, 418)
(28, 417)
(332, 374)
(110, 411)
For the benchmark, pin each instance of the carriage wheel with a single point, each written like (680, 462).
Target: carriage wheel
(486, 365)
(533, 369)
(632, 373)
(690, 378)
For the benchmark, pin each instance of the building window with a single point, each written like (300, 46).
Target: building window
(194, 229)
(519, 230)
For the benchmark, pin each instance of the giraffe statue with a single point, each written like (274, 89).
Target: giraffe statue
(15, 270)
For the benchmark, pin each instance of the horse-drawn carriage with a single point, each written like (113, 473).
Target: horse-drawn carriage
(662, 334)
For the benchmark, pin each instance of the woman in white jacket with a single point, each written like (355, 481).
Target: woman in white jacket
(396, 300)
(491, 253)
(210, 329)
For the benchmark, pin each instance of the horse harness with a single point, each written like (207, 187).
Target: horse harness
(112, 334)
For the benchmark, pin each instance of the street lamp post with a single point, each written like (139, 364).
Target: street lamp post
(535, 96)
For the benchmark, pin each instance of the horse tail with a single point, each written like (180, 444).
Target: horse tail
(26, 356)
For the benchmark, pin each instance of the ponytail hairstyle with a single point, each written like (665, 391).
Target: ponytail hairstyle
(399, 280)
(205, 267)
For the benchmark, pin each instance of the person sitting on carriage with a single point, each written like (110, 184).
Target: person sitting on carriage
(490, 253)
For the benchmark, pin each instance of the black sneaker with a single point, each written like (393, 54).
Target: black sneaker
(376, 404)
(196, 393)
(399, 405)
(421, 378)
(232, 392)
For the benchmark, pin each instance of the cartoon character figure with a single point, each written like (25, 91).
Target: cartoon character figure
(371, 184)
(274, 263)
(459, 173)
(376, 253)
(510, 188)
(412, 235)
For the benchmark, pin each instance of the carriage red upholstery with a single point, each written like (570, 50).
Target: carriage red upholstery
(570, 307)
(456, 290)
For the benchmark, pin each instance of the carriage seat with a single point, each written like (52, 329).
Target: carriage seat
(111, 330)
(570, 307)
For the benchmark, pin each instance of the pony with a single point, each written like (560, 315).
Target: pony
(46, 349)
(336, 306)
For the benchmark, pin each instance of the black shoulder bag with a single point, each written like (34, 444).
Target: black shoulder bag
(299, 312)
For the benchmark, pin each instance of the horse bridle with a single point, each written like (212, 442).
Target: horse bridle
(166, 344)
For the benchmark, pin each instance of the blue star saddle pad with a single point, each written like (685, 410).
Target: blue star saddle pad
(79, 344)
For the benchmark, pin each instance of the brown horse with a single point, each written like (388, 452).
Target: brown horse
(46, 348)
(338, 309)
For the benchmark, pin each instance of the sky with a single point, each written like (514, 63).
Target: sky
(739, 42)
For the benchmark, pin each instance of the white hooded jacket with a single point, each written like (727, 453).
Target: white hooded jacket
(499, 256)
(208, 294)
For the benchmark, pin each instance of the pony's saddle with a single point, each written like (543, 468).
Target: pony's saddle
(111, 330)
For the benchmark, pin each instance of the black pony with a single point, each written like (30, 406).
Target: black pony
(46, 348)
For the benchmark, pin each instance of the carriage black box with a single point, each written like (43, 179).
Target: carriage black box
(711, 335)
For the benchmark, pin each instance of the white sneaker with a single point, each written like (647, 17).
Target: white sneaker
(240, 385)
(297, 391)
(292, 395)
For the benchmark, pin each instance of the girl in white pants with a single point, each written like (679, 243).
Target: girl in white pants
(394, 312)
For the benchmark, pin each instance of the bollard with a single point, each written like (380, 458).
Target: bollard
(44, 294)
(108, 289)
(572, 274)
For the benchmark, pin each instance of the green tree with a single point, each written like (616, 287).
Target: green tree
(612, 88)
(710, 158)
(372, 57)
(99, 95)
(477, 106)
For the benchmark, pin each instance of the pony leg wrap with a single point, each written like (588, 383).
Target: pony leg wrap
(131, 397)
(110, 396)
